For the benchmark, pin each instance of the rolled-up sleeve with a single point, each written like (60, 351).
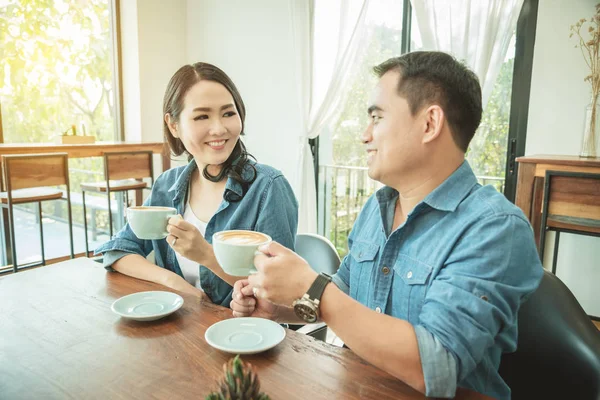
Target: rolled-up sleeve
(342, 276)
(123, 243)
(474, 299)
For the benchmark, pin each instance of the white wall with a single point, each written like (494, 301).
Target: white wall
(252, 42)
(556, 112)
(153, 38)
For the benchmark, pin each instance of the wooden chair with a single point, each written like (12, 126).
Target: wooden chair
(571, 204)
(31, 179)
(123, 171)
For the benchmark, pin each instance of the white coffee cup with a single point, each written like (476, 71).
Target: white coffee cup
(150, 222)
(235, 250)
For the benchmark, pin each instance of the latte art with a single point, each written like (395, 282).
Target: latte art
(242, 237)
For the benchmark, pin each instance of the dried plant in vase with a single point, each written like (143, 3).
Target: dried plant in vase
(590, 46)
(240, 382)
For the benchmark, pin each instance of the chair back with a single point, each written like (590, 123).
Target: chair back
(319, 252)
(35, 170)
(558, 350)
(128, 165)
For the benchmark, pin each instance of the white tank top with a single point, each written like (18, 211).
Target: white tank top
(191, 269)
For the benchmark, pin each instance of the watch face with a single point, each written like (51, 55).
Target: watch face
(306, 312)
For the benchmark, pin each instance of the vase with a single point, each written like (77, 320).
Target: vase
(591, 139)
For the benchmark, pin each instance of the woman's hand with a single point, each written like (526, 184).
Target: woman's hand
(187, 241)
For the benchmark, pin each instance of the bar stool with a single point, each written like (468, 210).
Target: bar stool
(123, 171)
(31, 179)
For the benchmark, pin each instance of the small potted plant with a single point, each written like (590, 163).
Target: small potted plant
(240, 383)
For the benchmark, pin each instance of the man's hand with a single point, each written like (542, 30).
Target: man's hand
(187, 241)
(244, 304)
(283, 276)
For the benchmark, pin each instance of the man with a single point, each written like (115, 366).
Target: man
(438, 265)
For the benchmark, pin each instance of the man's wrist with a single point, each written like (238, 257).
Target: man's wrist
(307, 281)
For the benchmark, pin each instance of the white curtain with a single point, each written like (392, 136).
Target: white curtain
(327, 37)
(474, 31)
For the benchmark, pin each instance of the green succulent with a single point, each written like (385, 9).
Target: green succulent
(240, 382)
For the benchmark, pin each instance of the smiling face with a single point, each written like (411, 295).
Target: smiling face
(209, 125)
(394, 136)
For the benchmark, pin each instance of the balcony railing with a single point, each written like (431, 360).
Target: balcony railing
(343, 191)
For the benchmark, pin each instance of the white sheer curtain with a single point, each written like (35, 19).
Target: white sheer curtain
(327, 36)
(476, 32)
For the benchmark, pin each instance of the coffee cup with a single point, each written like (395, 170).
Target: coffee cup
(150, 222)
(235, 250)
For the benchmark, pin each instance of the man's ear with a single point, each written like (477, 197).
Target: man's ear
(172, 124)
(434, 119)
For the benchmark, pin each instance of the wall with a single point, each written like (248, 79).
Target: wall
(252, 42)
(556, 112)
(153, 39)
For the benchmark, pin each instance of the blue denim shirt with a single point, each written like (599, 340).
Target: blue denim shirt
(269, 206)
(457, 269)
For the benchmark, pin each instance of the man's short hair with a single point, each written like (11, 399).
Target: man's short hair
(433, 77)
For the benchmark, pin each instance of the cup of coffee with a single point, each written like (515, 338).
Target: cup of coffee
(150, 222)
(235, 250)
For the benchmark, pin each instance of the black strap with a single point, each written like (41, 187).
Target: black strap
(318, 287)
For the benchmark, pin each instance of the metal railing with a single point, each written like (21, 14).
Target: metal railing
(343, 191)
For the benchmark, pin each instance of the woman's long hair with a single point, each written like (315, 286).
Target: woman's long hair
(239, 159)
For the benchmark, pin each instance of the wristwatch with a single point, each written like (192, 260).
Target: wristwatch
(307, 307)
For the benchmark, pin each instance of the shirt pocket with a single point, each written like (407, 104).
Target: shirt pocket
(364, 257)
(411, 288)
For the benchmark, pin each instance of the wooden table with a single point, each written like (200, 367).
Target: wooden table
(60, 340)
(74, 151)
(530, 182)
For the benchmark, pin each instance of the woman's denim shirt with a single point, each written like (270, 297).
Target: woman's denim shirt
(269, 206)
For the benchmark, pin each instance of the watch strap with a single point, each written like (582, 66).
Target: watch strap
(318, 287)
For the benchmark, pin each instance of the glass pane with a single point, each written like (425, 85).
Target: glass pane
(343, 184)
(56, 69)
(56, 73)
(487, 152)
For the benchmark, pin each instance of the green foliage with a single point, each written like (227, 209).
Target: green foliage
(55, 68)
(56, 71)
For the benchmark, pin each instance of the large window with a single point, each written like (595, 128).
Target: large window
(343, 183)
(56, 71)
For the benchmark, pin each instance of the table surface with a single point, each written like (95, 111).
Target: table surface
(60, 340)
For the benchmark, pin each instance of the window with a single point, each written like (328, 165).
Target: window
(56, 71)
(343, 183)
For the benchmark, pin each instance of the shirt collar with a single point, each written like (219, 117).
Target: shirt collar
(445, 197)
(453, 190)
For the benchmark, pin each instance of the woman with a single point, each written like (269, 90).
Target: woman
(219, 189)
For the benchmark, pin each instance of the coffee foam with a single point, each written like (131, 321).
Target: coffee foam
(242, 237)
(150, 208)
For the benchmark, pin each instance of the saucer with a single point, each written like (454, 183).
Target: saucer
(147, 306)
(248, 335)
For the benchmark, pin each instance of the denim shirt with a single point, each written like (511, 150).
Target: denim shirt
(269, 206)
(457, 269)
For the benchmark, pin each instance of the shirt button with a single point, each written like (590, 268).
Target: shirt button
(378, 310)
(409, 275)
(484, 298)
(385, 270)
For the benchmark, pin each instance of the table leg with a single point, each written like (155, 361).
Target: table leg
(5, 238)
(524, 193)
